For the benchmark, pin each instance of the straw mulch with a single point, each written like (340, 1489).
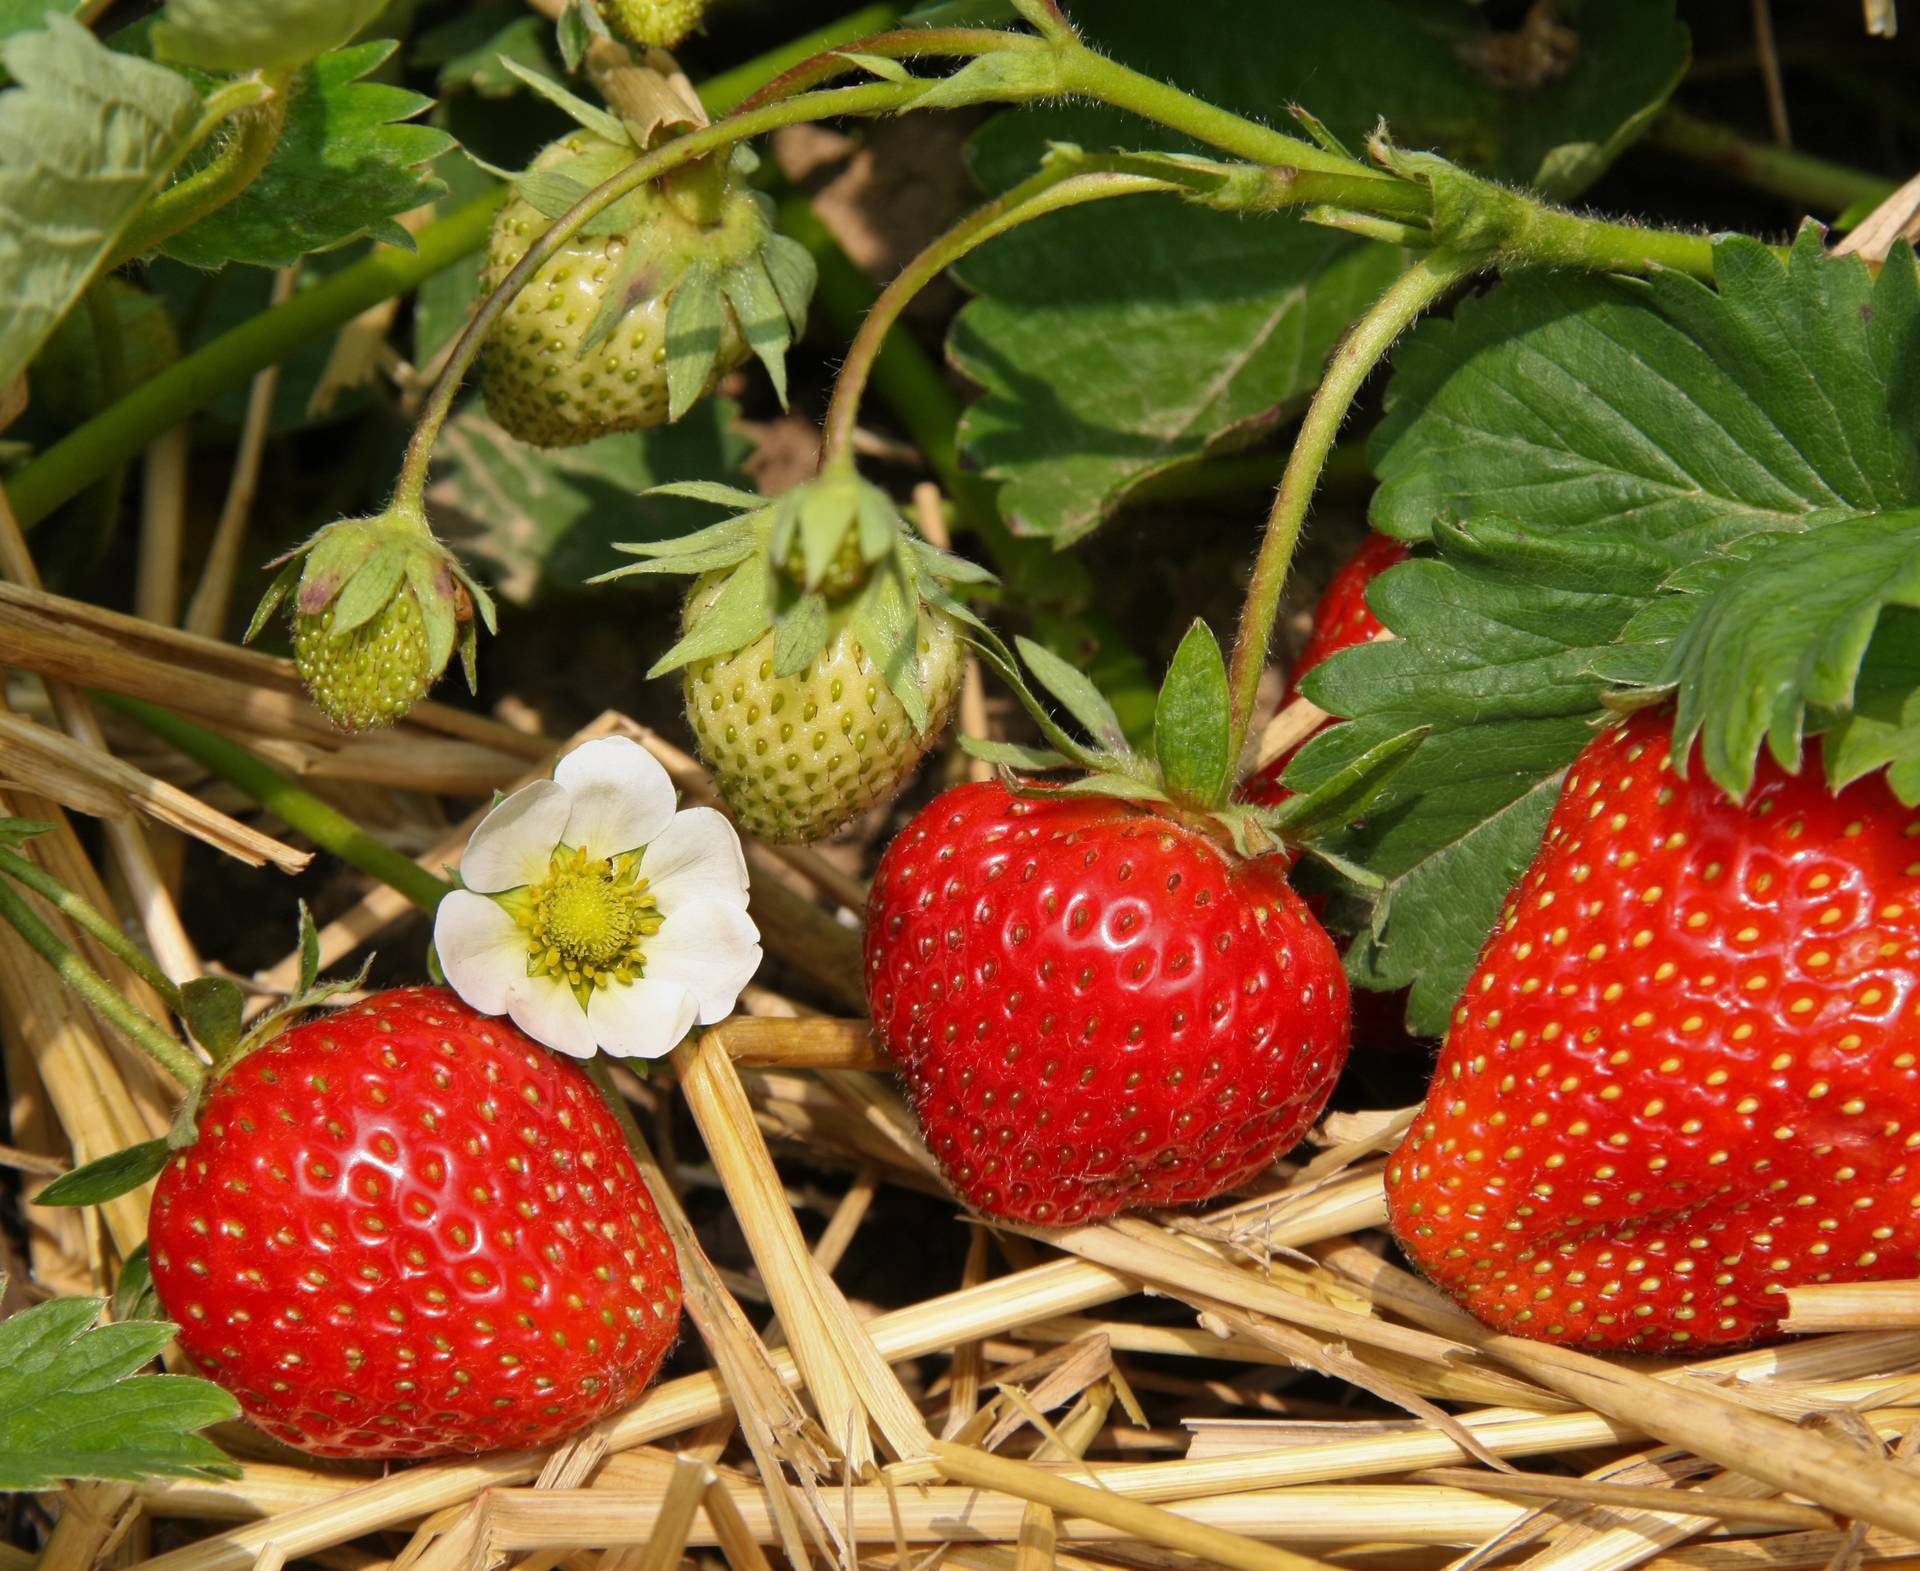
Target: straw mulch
(1261, 1386)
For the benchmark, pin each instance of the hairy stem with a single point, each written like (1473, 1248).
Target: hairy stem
(325, 826)
(877, 98)
(1820, 186)
(255, 134)
(144, 1032)
(1363, 348)
(1049, 191)
(84, 915)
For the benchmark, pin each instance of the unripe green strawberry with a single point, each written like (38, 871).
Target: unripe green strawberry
(379, 606)
(654, 24)
(582, 350)
(797, 758)
(371, 676)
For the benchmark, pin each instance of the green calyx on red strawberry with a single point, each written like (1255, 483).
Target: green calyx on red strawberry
(655, 298)
(821, 652)
(378, 606)
(1189, 768)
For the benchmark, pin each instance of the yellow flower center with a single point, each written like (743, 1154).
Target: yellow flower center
(586, 920)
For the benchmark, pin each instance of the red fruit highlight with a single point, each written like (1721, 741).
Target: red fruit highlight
(406, 1230)
(1686, 1074)
(1095, 1006)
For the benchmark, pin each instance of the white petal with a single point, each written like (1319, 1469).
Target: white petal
(710, 948)
(547, 1011)
(644, 1019)
(514, 843)
(696, 858)
(621, 795)
(482, 950)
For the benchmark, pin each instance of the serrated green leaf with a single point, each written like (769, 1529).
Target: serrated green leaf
(743, 610)
(762, 318)
(1345, 795)
(108, 1177)
(88, 136)
(547, 519)
(1773, 625)
(1495, 648)
(801, 635)
(309, 950)
(1076, 694)
(1882, 729)
(346, 164)
(696, 324)
(573, 106)
(72, 1405)
(257, 35)
(1684, 414)
(213, 1009)
(1013, 755)
(1192, 723)
(134, 1297)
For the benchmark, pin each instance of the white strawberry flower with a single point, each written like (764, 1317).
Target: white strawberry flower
(595, 915)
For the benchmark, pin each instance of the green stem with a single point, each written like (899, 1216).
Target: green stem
(1363, 348)
(196, 380)
(1814, 183)
(256, 133)
(145, 1033)
(1049, 191)
(83, 915)
(325, 826)
(876, 98)
(110, 352)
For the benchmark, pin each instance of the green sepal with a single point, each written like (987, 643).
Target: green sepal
(488, 614)
(436, 612)
(213, 1008)
(370, 588)
(1317, 129)
(1361, 878)
(696, 323)
(999, 78)
(718, 545)
(574, 107)
(794, 274)
(1013, 755)
(1108, 782)
(1075, 693)
(741, 612)
(886, 623)
(134, 1297)
(1344, 796)
(932, 562)
(617, 299)
(108, 1177)
(309, 950)
(827, 509)
(882, 66)
(1193, 723)
(763, 320)
(270, 602)
(16, 832)
(879, 524)
(709, 491)
(800, 635)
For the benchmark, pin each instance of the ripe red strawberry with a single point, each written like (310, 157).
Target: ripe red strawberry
(1341, 619)
(1684, 1076)
(407, 1229)
(1097, 1007)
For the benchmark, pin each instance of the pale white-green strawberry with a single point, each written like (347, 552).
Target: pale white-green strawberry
(642, 312)
(798, 757)
(822, 652)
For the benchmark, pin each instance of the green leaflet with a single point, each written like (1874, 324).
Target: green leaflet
(1777, 624)
(257, 35)
(1192, 723)
(106, 1177)
(87, 138)
(72, 1404)
(347, 164)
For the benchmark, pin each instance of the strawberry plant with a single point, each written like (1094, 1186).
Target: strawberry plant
(1032, 580)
